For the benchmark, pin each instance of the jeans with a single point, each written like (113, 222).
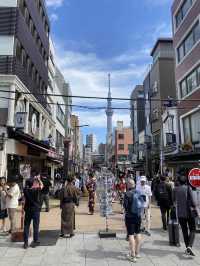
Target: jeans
(29, 216)
(165, 216)
(45, 200)
(188, 228)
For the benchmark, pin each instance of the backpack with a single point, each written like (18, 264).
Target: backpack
(162, 194)
(137, 203)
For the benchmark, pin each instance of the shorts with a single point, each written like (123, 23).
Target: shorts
(133, 225)
(3, 214)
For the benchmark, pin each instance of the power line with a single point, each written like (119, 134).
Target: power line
(101, 98)
(95, 107)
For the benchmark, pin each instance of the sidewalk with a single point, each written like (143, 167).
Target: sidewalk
(89, 250)
(86, 249)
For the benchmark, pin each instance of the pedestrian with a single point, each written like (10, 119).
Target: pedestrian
(133, 204)
(145, 190)
(12, 197)
(91, 188)
(163, 195)
(33, 204)
(68, 199)
(186, 212)
(3, 210)
(45, 191)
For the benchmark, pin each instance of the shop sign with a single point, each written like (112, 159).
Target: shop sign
(25, 170)
(55, 155)
(194, 177)
(20, 120)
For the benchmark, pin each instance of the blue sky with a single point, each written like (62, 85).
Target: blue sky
(95, 37)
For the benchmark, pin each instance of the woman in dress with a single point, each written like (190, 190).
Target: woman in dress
(3, 210)
(91, 187)
(68, 199)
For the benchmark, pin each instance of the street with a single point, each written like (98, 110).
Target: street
(86, 249)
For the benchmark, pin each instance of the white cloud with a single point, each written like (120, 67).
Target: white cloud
(54, 3)
(87, 75)
(53, 17)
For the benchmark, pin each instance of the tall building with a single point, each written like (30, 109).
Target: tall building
(186, 36)
(123, 144)
(102, 149)
(91, 141)
(109, 114)
(161, 87)
(137, 120)
(24, 55)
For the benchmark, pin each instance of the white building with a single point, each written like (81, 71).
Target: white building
(91, 141)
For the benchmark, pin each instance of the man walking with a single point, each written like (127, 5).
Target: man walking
(163, 195)
(145, 190)
(32, 194)
(133, 204)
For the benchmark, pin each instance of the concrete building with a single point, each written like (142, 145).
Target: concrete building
(123, 148)
(186, 34)
(137, 121)
(24, 54)
(161, 81)
(87, 156)
(102, 149)
(91, 141)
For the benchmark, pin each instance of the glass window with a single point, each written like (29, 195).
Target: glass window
(198, 76)
(183, 88)
(121, 136)
(185, 7)
(189, 42)
(195, 126)
(192, 82)
(186, 129)
(121, 147)
(181, 52)
(179, 18)
(197, 32)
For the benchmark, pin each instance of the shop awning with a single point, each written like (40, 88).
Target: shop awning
(38, 147)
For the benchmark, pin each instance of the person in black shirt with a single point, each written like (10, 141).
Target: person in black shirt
(32, 208)
(45, 191)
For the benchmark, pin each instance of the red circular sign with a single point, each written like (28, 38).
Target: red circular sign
(194, 177)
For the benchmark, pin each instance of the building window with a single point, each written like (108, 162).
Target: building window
(60, 114)
(183, 11)
(190, 83)
(189, 42)
(121, 136)
(130, 148)
(191, 128)
(121, 147)
(59, 140)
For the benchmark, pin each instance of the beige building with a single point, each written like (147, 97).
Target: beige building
(123, 144)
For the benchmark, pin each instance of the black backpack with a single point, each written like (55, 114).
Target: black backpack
(162, 194)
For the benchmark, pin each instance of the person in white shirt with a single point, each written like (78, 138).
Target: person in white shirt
(12, 197)
(145, 190)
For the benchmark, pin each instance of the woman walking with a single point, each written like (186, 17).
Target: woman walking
(3, 210)
(91, 187)
(68, 199)
(186, 211)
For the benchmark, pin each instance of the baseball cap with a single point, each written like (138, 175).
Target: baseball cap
(143, 178)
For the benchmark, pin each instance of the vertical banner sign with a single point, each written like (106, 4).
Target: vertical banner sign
(194, 178)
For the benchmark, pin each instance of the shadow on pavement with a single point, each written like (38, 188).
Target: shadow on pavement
(49, 237)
